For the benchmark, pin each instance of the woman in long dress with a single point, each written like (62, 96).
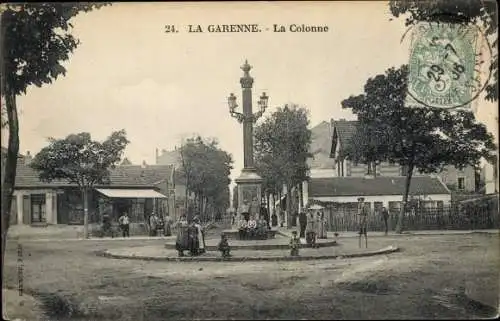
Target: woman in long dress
(311, 229)
(199, 242)
(181, 242)
(321, 225)
(319, 229)
(168, 225)
(323, 218)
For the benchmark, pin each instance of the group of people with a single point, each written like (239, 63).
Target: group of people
(159, 225)
(312, 226)
(249, 228)
(156, 224)
(190, 236)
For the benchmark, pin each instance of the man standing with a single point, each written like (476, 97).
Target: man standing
(385, 217)
(302, 223)
(153, 224)
(124, 224)
(311, 230)
(363, 220)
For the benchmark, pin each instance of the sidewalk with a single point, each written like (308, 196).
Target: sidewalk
(288, 233)
(101, 239)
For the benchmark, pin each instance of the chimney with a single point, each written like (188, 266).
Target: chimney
(144, 165)
(156, 155)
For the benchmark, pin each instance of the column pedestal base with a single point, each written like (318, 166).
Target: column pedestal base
(249, 193)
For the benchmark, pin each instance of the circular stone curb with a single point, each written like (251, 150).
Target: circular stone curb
(386, 250)
(256, 247)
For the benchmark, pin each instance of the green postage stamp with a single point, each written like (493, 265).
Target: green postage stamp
(448, 66)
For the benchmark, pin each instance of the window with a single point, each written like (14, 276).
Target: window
(461, 183)
(38, 208)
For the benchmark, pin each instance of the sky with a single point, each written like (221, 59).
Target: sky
(163, 87)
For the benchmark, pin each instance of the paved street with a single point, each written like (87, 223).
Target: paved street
(433, 277)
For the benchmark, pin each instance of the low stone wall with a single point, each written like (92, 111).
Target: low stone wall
(235, 235)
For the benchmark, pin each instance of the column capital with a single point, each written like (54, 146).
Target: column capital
(246, 81)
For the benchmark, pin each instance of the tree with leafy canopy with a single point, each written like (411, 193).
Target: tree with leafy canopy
(207, 169)
(417, 138)
(283, 140)
(269, 169)
(464, 12)
(80, 160)
(366, 146)
(36, 60)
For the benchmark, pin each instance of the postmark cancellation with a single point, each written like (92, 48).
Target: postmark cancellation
(449, 65)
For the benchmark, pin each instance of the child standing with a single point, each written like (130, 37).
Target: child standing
(224, 247)
(294, 244)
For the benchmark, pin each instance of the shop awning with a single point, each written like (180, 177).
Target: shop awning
(130, 193)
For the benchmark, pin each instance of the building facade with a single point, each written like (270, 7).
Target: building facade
(461, 180)
(139, 190)
(377, 192)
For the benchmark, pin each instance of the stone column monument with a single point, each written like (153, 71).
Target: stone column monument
(249, 182)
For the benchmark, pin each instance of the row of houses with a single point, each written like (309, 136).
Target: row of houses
(137, 189)
(339, 182)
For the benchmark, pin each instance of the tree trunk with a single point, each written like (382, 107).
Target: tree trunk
(199, 205)
(301, 198)
(279, 208)
(288, 206)
(205, 207)
(85, 212)
(9, 175)
(409, 174)
(186, 194)
(268, 202)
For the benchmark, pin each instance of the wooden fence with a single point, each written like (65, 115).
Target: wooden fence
(453, 217)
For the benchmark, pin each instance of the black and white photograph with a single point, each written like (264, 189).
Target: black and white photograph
(249, 160)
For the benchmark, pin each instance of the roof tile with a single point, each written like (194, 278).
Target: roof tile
(120, 176)
(360, 186)
(345, 130)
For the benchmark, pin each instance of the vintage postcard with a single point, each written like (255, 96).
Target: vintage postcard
(249, 160)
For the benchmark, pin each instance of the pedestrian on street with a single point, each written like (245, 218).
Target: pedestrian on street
(363, 220)
(124, 224)
(153, 224)
(302, 224)
(385, 217)
(311, 230)
(168, 225)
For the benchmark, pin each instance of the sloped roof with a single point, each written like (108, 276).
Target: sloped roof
(345, 130)
(121, 176)
(321, 136)
(360, 186)
(321, 144)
